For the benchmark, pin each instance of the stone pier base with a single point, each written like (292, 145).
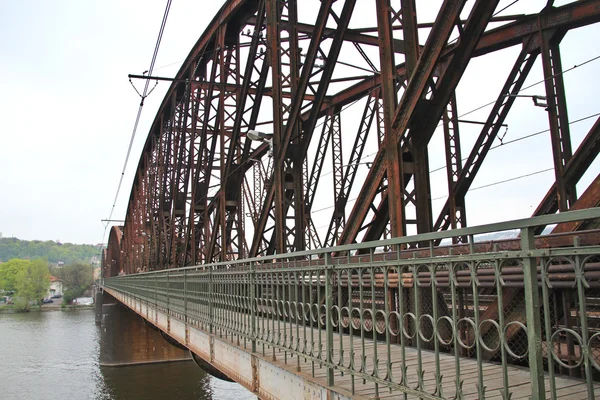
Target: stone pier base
(127, 339)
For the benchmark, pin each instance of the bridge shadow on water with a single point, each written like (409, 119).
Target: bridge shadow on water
(177, 380)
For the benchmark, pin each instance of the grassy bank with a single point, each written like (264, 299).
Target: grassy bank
(10, 308)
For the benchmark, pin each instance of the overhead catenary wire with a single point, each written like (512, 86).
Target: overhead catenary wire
(484, 106)
(533, 84)
(139, 112)
(504, 143)
(344, 108)
(443, 197)
(467, 113)
(492, 148)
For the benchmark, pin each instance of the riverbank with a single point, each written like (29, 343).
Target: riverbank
(10, 308)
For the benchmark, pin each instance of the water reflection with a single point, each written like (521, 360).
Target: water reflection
(55, 354)
(181, 380)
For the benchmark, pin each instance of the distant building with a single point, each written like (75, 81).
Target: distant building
(56, 287)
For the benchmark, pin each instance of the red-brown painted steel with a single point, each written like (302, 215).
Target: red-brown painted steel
(204, 191)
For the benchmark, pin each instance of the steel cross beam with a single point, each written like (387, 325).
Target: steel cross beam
(454, 166)
(388, 89)
(488, 134)
(366, 121)
(585, 154)
(570, 16)
(415, 91)
(190, 192)
(557, 115)
(309, 125)
(253, 57)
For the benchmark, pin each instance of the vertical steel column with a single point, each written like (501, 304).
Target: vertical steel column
(319, 160)
(457, 215)
(421, 181)
(411, 35)
(335, 227)
(257, 193)
(221, 221)
(328, 322)
(273, 49)
(165, 136)
(297, 162)
(512, 86)
(557, 116)
(338, 175)
(388, 87)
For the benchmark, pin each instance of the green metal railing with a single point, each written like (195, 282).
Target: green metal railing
(426, 321)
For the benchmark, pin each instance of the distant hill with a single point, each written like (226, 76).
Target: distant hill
(53, 251)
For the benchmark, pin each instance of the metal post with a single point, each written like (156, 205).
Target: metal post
(534, 326)
(587, 354)
(168, 295)
(328, 324)
(185, 296)
(252, 305)
(211, 293)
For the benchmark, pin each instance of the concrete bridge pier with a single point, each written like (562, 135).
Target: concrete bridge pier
(98, 301)
(127, 339)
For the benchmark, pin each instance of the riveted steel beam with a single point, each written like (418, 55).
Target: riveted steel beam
(583, 157)
(492, 126)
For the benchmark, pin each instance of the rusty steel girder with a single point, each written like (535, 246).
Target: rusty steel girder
(206, 190)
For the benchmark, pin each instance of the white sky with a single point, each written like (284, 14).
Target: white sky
(68, 108)
(68, 111)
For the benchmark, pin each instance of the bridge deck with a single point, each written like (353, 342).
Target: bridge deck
(510, 306)
(518, 378)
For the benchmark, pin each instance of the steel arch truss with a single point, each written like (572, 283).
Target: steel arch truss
(349, 95)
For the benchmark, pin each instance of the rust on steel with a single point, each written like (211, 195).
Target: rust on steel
(206, 190)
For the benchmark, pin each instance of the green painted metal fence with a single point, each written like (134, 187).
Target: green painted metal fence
(417, 319)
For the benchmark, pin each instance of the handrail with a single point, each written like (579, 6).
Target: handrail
(496, 305)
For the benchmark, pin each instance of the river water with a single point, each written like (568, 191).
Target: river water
(54, 355)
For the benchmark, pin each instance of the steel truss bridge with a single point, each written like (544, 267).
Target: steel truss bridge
(225, 234)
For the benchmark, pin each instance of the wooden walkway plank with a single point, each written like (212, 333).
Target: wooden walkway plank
(493, 374)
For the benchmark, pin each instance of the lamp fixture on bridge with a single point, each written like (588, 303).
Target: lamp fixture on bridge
(261, 137)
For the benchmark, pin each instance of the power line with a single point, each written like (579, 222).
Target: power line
(464, 159)
(523, 138)
(483, 186)
(443, 197)
(168, 65)
(509, 180)
(489, 104)
(342, 109)
(533, 84)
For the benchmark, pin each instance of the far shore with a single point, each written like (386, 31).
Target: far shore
(10, 309)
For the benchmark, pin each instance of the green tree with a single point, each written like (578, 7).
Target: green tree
(32, 283)
(55, 252)
(9, 271)
(76, 277)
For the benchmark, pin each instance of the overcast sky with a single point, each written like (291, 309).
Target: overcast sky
(68, 109)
